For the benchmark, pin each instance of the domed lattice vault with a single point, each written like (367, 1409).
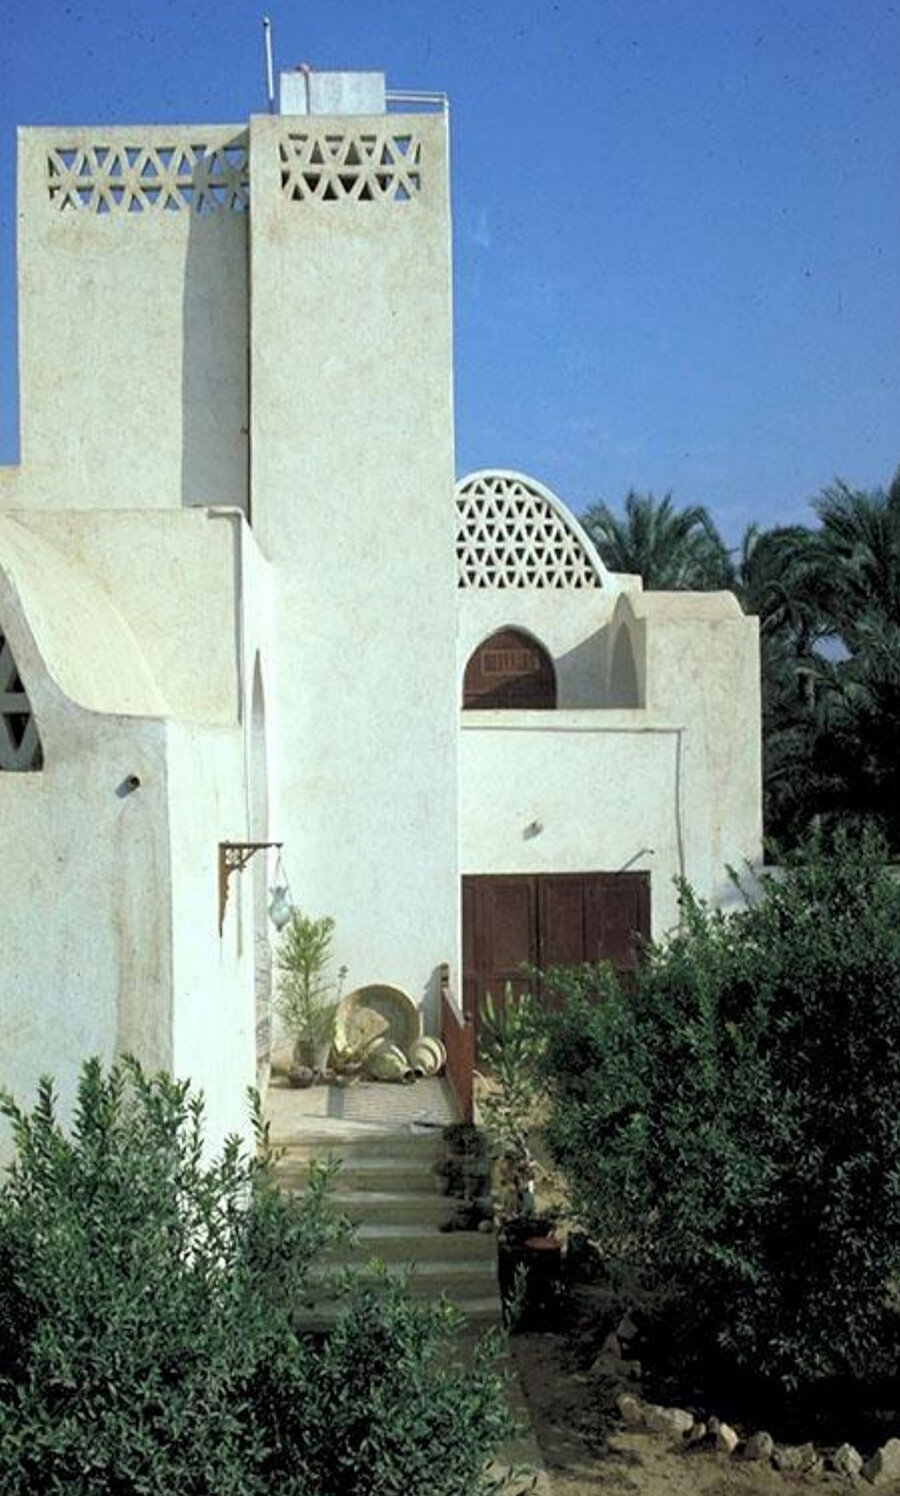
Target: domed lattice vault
(513, 532)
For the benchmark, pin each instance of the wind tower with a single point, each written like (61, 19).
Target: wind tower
(351, 498)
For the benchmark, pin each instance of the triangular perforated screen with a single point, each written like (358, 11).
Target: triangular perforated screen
(20, 746)
(208, 176)
(361, 167)
(509, 534)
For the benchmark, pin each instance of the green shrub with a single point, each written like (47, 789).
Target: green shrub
(510, 1045)
(732, 1126)
(147, 1321)
(381, 1418)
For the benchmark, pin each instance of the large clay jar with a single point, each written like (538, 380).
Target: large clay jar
(427, 1056)
(386, 1061)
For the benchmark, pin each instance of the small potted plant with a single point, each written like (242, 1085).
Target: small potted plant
(306, 996)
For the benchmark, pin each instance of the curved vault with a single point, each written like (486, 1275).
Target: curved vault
(85, 645)
(511, 531)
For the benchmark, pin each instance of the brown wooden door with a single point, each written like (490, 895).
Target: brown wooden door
(499, 936)
(562, 931)
(548, 919)
(617, 918)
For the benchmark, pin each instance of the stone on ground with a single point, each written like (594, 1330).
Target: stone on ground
(884, 1466)
(726, 1439)
(759, 1446)
(847, 1461)
(630, 1410)
(673, 1422)
(797, 1459)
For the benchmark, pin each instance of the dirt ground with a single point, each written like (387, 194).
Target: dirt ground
(584, 1451)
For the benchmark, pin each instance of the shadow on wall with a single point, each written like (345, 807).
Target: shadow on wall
(624, 687)
(215, 356)
(600, 672)
(431, 999)
(581, 673)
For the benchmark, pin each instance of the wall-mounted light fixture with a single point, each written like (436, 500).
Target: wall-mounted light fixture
(233, 858)
(644, 852)
(281, 905)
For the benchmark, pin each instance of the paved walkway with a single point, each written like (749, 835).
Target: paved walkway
(358, 1110)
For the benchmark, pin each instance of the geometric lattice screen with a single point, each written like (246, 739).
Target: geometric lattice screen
(20, 746)
(508, 534)
(204, 176)
(352, 166)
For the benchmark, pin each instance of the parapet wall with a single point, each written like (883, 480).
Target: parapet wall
(133, 316)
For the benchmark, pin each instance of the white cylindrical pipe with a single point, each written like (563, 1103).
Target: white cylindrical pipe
(270, 72)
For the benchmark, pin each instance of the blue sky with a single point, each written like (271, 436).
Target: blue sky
(676, 225)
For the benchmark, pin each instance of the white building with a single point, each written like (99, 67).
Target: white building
(240, 602)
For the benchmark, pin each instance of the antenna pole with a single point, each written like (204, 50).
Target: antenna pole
(270, 74)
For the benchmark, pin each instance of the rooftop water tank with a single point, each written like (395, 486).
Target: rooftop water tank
(304, 91)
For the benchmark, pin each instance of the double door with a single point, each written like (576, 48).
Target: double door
(548, 919)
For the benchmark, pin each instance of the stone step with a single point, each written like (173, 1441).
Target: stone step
(389, 1172)
(415, 1243)
(396, 1207)
(480, 1310)
(391, 1186)
(304, 1144)
(426, 1280)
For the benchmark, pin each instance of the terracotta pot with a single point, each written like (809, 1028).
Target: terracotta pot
(300, 1076)
(313, 1055)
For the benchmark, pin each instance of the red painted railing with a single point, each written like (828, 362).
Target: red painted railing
(458, 1037)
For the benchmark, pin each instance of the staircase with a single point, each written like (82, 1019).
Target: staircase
(390, 1186)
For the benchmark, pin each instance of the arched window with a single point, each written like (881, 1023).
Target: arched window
(20, 746)
(510, 669)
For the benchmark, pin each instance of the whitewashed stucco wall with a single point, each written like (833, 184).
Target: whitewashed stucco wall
(212, 976)
(571, 791)
(212, 776)
(680, 776)
(572, 626)
(702, 666)
(352, 486)
(171, 576)
(132, 328)
(115, 889)
(87, 945)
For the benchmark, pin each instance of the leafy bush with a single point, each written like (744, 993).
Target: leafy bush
(733, 1124)
(379, 1419)
(147, 1322)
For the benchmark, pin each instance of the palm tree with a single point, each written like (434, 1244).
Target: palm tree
(829, 606)
(858, 551)
(672, 549)
(777, 579)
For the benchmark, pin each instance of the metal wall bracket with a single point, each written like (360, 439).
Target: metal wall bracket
(233, 858)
